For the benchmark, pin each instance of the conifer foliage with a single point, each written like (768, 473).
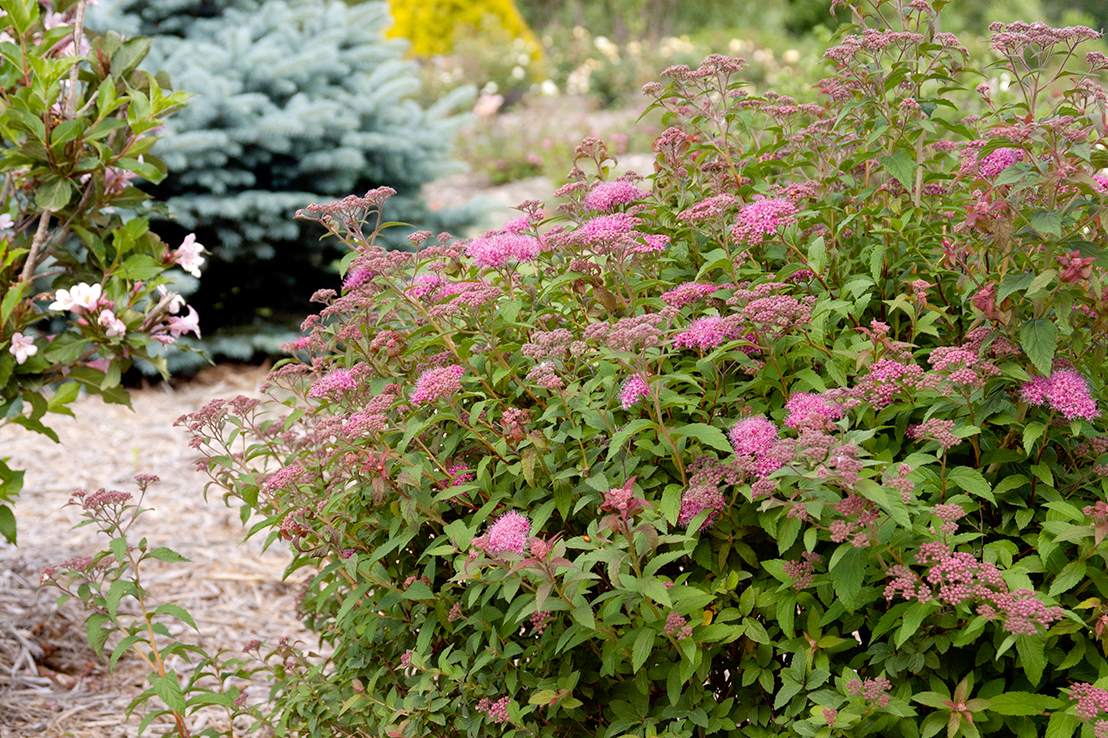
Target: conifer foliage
(296, 100)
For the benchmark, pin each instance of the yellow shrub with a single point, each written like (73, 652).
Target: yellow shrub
(432, 26)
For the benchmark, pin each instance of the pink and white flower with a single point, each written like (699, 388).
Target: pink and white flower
(114, 325)
(188, 257)
(22, 347)
(82, 296)
(188, 324)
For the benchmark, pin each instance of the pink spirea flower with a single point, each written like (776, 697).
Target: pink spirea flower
(607, 195)
(706, 333)
(1101, 183)
(436, 383)
(508, 533)
(497, 711)
(804, 405)
(652, 243)
(634, 389)
(753, 436)
(496, 251)
(605, 228)
(696, 500)
(762, 218)
(687, 293)
(999, 160)
(335, 382)
(1091, 701)
(1065, 391)
(677, 626)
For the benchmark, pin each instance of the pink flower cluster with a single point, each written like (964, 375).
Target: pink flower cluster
(802, 571)
(698, 498)
(871, 690)
(688, 293)
(705, 334)
(634, 389)
(497, 711)
(498, 250)
(761, 218)
(810, 411)
(1091, 701)
(756, 437)
(508, 534)
(936, 429)
(993, 164)
(605, 196)
(436, 383)
(1065, 391)
(334, 383)
(677, 626)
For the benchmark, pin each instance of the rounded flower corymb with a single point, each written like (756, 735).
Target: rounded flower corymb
(436, 383)
(508, 534)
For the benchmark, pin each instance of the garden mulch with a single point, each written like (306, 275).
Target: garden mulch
(51, 683)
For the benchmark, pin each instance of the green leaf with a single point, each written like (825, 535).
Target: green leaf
(170, 691)
(53, 194)
(1039, 338)
(118, 547)
(1013, 283)
(584, 617)
(1024, 703)
(972, 481)
(97, 635)
(848, 570)
(1070, 576)
(1061, 725)
(913, 618)
(121, 648)
(65, 394)
(902, 166)
(1047, 222)
(11, 299)
(7, 524)
(178, 612)
(1032, 656)
(817, 255)
(130, 55)
(706, 434)
(1032, 432)
(161, 553)
(640, 651)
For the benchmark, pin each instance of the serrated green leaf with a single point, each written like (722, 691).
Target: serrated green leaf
(1039, 338)
(169, 690)
(1032, 656)
(640, 651)
(902, 166)
(53, 194)
(1032, 432)
(178, 612)
(706, 434)
(972, 481)
(1047, 222)
(1071, 575)
(1024, 703)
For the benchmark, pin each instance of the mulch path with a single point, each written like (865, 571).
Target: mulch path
(51, 683)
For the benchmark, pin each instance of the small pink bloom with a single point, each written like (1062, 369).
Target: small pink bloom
(753, 436)
(188, 256)
(22, 347)
(436, 383)
(188, 324)
(806, 409)
(114, 325)
(634, 389)
(509, 533)
(605, 196)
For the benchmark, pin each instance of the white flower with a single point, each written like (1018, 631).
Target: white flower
(22, 347)
(114, 325)
(175, 303)
(81, 296)
(188, 255)
(188, 324)
(6, 222)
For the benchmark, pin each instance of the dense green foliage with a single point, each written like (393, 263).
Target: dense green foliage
(297, 101)
(804, 441)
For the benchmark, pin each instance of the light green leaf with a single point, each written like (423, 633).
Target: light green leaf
(640, 651)
(707, 435)
(1024, 703)
(1032, 432)
(53, 194)
(170, 691)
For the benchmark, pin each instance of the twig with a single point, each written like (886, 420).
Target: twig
(36, 246)
(78, 32)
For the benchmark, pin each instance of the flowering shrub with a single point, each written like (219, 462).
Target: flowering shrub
(802, 436)
(82, 285)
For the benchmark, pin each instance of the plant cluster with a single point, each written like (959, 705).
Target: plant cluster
(803, 435)
(85, 288)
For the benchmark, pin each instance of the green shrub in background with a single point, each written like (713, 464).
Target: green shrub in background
(297, 101)
(804, 436)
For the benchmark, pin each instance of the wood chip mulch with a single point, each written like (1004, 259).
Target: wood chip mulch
(51, 682)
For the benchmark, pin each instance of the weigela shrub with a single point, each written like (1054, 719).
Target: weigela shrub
(82, 285)
(802, 435)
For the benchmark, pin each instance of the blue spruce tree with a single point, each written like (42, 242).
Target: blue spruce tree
(297, 101)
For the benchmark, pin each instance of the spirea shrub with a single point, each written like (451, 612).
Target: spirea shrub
(85, 287)
(801, 435)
